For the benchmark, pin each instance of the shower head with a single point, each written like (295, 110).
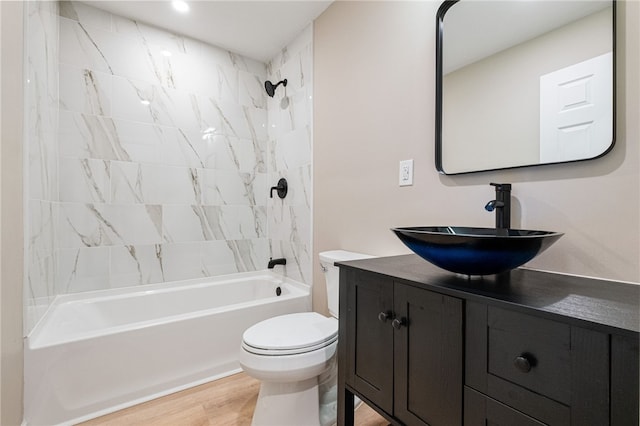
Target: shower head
(271, 88)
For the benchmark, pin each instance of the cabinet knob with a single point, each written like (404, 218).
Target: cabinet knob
(398, 323)
(523, 363)
(384, 316)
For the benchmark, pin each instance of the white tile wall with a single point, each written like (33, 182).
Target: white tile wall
(41, 153)
(290, 148)
(150, 168)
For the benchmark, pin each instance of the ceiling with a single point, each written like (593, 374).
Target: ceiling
(475, 30)
(256, 29)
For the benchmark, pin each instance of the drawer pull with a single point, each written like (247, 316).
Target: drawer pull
(524, 363)
(384, 316)
(398, 323)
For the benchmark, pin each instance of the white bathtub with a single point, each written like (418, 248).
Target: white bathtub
(94, 353)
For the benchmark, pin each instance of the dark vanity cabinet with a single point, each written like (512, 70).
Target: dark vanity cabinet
(425, 347)
(406, 352)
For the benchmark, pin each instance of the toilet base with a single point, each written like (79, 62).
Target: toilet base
(287, 404)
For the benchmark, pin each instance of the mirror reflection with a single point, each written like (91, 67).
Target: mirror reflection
(523, 83)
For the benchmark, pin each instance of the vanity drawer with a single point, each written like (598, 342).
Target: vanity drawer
(554, 372)
(532, 352)
(480, 410)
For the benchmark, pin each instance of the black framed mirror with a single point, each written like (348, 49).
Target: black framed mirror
(523, 83)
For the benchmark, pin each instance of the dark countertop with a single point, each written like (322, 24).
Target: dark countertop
(608, 306)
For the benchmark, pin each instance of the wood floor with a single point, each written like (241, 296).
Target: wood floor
(225, 402)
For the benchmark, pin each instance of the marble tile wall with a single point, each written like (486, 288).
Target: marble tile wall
(290, 148)
(41, 153)
(159, 157)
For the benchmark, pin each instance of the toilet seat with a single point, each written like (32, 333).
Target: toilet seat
(290, 334)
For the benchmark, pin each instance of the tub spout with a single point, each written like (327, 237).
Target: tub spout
(273, 262)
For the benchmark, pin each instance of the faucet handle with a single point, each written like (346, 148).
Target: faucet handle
(501, 186)
(282, 188)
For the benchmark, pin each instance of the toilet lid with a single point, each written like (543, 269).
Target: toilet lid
(290, 334)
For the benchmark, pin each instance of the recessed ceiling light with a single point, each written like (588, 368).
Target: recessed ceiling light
(145, 102)
(165, 52)
(180, 6)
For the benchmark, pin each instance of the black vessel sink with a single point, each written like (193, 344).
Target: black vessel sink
(475, 251)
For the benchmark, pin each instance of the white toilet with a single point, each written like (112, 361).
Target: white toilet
(294, 357)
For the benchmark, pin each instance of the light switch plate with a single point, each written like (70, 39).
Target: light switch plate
(406, 173)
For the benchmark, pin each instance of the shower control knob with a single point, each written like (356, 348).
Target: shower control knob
(399, 323)
(282, 188)
(384, 316)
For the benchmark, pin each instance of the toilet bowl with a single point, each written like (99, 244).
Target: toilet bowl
(294, 358)
(289, 347)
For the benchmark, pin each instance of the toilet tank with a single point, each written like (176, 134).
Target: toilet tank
(332, 273)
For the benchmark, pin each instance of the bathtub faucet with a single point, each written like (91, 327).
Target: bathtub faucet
(273, 262)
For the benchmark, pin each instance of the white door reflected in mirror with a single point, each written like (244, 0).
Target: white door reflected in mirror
(575, 110)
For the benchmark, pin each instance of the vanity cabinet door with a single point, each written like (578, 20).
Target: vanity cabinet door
(625, 381)
(428, 357)
(370, 341)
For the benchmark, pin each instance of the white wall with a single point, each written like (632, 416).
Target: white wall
(374, 105)
(11, 213)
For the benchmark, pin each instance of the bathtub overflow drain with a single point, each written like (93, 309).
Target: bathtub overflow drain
(278, 291)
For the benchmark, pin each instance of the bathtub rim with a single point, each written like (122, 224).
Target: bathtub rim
(300, 290)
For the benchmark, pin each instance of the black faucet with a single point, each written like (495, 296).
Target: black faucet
(273, 262)
(502, 205)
